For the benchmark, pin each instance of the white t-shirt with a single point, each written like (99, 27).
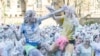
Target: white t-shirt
(84, 51)
(96, 47)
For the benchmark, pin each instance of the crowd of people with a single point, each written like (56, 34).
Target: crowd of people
(70, 39)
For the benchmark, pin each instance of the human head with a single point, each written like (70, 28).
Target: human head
(97, 38)
(29, 16)
(78, 39)
(5, 27)
(69, 11)
(86, 40)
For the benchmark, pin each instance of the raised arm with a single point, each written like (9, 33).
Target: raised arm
(16, 35)
(20, 32)
(50, 14)
(51, 9)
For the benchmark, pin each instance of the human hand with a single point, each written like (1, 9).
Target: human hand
(68, 9)
(50, 8)
(65, 7)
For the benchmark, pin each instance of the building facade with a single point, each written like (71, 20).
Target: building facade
(16, 8)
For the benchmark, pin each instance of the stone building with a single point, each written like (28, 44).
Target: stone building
(15, 9)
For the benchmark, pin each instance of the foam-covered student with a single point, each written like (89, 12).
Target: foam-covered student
(30, 27)
(78, 42)
(69, 24)
(85, 48)
(96, 45)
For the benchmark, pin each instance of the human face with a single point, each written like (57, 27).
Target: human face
(97, 39)
(78, 40)
(87, 41)
(33, 18)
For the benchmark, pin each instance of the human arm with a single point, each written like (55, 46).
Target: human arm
(51, 9)
(50, 14)
(77, 50)
(20, 32)
(14, 31)
(49, 48)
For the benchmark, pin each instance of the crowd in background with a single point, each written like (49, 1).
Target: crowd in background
(87, 40)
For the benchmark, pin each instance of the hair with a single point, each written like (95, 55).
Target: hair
(28, 15)
(76, 37)
(95, 36)
(72, 42)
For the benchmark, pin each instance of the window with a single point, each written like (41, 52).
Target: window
(15, 15)
(8, 3)
(10, 15)
(39, 15)
(39, 3)
(18, 4)
(20, 15)
(48, 1)
(64, 1)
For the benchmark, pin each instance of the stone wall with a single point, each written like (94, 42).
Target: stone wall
(95, 20)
